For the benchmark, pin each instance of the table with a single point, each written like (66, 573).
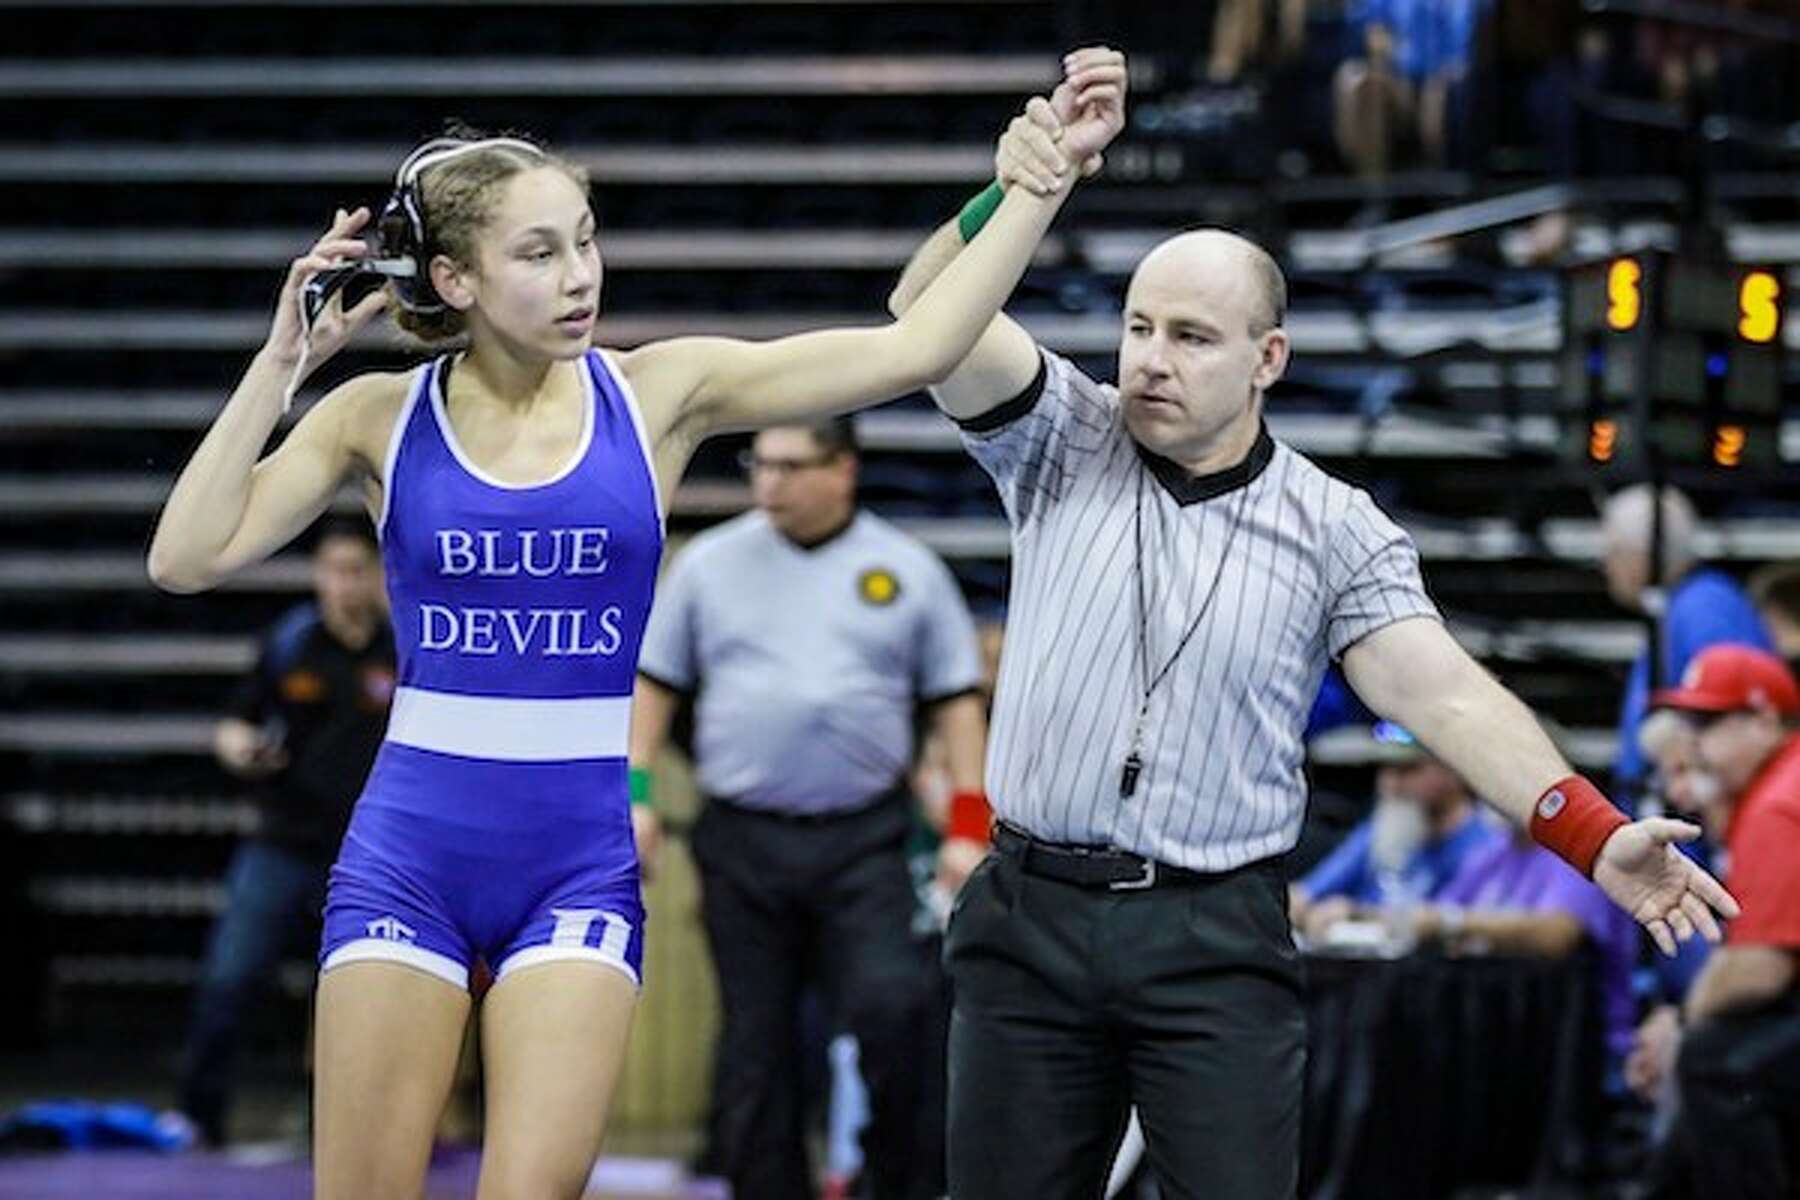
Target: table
(1426, 1073)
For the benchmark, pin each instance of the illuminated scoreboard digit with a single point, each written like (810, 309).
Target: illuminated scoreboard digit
(1759, 307)
(1624, 294)
(1677, 353)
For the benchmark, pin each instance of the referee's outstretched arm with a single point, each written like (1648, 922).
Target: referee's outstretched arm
(1082, 116)
(1414, 673)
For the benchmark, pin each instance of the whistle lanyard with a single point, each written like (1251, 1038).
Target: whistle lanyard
(1134, 759)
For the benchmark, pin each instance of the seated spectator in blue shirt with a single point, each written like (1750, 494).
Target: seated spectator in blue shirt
(1424, 825)
(1396, 89)
(1699, 607)
(1429, 36)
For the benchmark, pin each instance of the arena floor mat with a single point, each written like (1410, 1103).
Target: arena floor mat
(249, 1174)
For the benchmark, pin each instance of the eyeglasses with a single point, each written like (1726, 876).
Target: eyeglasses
(781, 468)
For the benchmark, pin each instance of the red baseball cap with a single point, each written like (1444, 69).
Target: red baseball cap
(1726, 678)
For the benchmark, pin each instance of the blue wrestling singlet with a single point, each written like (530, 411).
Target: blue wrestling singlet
(496, 821)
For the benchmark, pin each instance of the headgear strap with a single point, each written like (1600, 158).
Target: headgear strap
(401, 240)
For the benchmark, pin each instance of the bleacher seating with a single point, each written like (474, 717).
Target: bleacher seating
(758, 170)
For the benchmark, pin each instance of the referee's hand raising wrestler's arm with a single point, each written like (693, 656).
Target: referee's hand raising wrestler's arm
(721, 384)
(1086, 109)
(1413, 672)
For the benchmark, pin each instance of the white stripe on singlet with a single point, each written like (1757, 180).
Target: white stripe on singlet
(511, 729)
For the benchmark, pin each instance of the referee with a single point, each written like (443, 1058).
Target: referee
(1180, 581)
(810, 634)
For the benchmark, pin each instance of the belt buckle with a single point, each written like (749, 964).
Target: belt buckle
(1147, 879)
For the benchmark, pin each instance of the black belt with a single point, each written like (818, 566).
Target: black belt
(1091, 866)
(828, 816)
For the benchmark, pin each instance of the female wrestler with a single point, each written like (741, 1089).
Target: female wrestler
(518, 483)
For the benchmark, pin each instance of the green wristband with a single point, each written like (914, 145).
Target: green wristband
(976, 212)
(641, 790)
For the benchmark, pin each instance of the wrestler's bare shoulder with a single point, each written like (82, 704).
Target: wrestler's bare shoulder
(364, 409)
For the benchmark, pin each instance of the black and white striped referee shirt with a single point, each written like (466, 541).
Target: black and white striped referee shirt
(1313, 566)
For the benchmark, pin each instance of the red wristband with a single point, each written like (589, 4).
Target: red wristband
(1573, 819)
(970, 817)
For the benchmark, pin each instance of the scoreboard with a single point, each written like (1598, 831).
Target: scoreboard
(1673, 354)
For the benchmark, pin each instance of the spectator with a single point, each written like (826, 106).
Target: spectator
(304, 727)
(1425, 825)
(1680, 783)
(1683, 785)
(1776, 591)
(1396, 90)
(1736, 1053)
(1678, 778)
(1242, 33)
(1696, 606)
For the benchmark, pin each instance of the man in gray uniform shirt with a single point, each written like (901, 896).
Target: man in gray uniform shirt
(810, 633)
(1179, 582)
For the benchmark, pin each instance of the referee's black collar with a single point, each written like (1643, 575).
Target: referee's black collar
(1189, 489)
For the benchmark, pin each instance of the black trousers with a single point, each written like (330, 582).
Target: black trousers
(787, 902)
(1738, 1133)
(1074, 1004)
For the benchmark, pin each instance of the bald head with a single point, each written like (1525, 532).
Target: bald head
(1200, 343)
(1630, 513)
(1232, 266)
(1625, 525)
